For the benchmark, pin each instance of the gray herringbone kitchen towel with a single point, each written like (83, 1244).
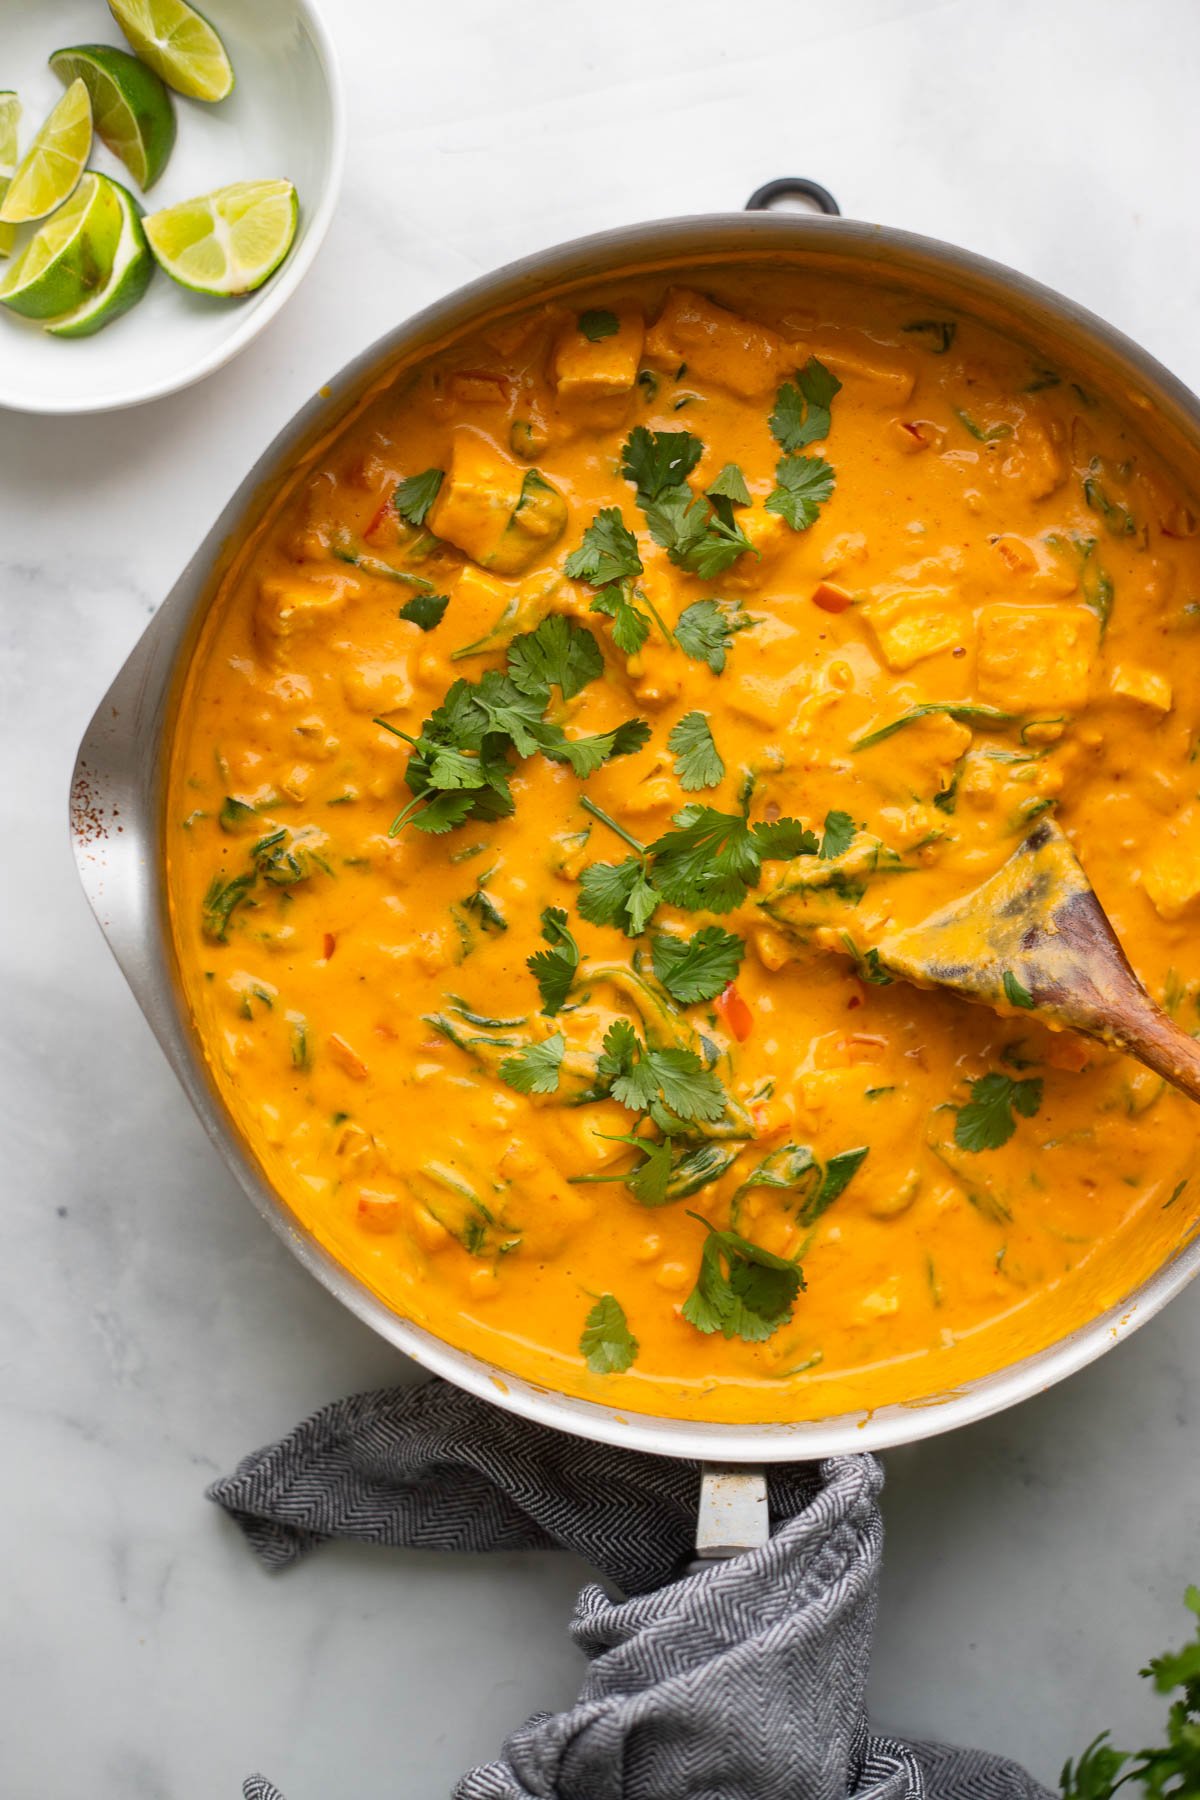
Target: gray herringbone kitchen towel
(744, 1682)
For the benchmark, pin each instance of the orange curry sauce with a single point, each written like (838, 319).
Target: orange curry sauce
(953, 524)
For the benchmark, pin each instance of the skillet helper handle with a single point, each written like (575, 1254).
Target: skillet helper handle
(812, 196)
(734, 1515)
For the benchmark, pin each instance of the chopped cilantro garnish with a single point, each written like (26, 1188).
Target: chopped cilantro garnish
(706, 628)
(801, 413)
(559, 653)
(1015, 992)
(988, 1119)
(712, 858)
(837, 836)
(598, 323)
(697, 968)
(554, 969)
(698, 762)
(697, 534)
(620, 894)
(671, 1085)
(609, 551)
(416, 494)
(607, 1342)
(630, 625)
(741, 1290)
(535, 1070)
(656, 460)
(804, 483)
(730, 484)
(425, 610)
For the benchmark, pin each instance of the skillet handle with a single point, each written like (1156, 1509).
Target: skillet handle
(734, 1515)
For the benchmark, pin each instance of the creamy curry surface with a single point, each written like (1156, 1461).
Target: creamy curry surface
(560, 744)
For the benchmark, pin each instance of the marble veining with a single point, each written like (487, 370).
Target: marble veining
(152, 1329)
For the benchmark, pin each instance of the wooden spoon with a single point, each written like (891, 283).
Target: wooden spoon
(1038, 922)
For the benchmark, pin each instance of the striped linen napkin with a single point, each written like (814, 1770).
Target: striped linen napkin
(745, 1681)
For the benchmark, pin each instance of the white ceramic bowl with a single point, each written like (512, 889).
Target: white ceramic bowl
(285, 117)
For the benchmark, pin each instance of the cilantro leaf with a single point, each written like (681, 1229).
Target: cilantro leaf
(837, 836)
(609, 551)
(554, 969)
(778, 840)
(654, 460)
(510, 710)
(416, 494)
(707, 627)
(988, 1119)
(1015, 991)
(672, 1085)
(631, 626)
(804, 483)
(598, 323)
(699, 968)
(694, 533)
(560, 652)
(586, 754)
(607, 1342)
(535, 1070)
(741, 1290)
(442, 813)
(710, 860)
(730, 485)
(618, 894)
(698, 762)
(801, 413)
(649, 1180)
(425, 610)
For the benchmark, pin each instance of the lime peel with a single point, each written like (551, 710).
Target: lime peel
(68, 256)
(129, 277)
(131, 108)
(179, 44)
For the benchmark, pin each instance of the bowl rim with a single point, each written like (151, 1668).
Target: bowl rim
(127, 893)
(281, 287)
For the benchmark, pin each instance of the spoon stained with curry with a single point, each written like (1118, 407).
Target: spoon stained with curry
(1035, 936)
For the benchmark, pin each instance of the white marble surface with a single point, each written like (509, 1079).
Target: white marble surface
(151, 1330)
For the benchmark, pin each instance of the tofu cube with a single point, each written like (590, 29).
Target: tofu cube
(1037, 658)
(718, 346)
(909, 624)
(1172, 876)
(1143, 686)
(594, 370)
(478, 496)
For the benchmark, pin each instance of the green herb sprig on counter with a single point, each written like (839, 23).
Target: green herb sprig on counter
(1170, 1772)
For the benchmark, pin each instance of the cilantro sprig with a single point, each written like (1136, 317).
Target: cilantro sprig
(608, 558)
(741, 1290)
(708, 863)
(536, 1068)
(802, 486)
(459, 768)
(554, 969)
(989, 1118)
(670, 1084)
(698, 762)
(706, 629)
(655, 460)
(697, 968)
(801, 413)
(698, 532)
(416, 494)
(607, 1344)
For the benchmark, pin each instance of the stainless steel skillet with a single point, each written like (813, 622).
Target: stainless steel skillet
(117, 801)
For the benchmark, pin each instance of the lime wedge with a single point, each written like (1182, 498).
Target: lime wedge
(128, 278)
(179, 44)
(131, 109)
(10, 116)
(69, 256)
(53, 163)
(228, 242)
